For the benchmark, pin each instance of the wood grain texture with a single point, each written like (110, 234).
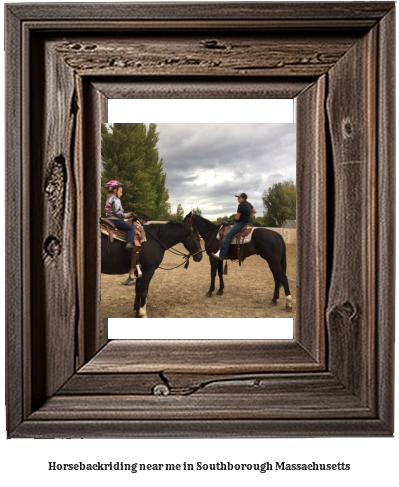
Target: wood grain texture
(269, 396)
(15, 258)
(185, 384)
(53, 241)
(385, 245)
(312, 217)
(203, 407)
(84, 52)
(96, 329)
(190, 428)
(200, 356)
(239, 55)
(111, 384)
(352, 126)
(245, 12)
(173, 88)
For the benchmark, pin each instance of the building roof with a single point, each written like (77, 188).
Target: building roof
(289, 224)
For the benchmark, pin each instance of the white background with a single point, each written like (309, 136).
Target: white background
(373, 461)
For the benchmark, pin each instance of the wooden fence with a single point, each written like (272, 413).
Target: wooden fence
(288, 234)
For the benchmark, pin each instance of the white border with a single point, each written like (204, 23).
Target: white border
(201, 111)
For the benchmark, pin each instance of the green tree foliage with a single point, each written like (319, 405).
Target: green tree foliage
(280, 204)
(257, 221)
(253, 221)
(130, 155)
(229, 219)
(179, 215)
(197, 211)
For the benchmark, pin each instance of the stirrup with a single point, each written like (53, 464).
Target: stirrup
(138, 272)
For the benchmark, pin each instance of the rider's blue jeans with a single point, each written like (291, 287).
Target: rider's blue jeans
(122, 225)
(238, 226)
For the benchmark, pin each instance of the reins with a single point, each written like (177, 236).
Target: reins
(191, 223)
(178, 252)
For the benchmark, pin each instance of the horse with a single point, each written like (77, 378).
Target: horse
(160, 237)
(268, 244)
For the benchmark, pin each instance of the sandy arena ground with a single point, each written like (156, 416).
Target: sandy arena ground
(180, 293)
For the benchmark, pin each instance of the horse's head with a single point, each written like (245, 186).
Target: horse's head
(200, 224)
(189, 219)
(192, 220)
(193, 242)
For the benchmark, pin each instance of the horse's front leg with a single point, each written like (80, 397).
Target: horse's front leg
(213, 263)
(221, 281)
(143, 292)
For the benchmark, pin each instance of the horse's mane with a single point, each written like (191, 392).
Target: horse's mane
(205, 220)
(161, 228)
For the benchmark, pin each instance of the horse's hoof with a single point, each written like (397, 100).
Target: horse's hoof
(273, 303)
(208, 294)
(143, 312)
(220, 292)
(288, 308)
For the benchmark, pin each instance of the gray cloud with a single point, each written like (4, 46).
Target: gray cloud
(207, 164)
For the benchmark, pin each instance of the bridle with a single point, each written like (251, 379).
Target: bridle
(190, 221)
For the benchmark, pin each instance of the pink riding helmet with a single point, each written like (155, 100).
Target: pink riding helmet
(112, 184)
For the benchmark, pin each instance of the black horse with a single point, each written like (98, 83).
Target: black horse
(160, 237)
(268, 244)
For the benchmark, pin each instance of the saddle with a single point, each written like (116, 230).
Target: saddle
(107, 227)
(240, 239)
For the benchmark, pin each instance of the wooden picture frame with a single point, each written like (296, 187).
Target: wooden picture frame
(335, 378)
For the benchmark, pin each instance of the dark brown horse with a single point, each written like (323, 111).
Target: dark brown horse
(160, 237)
(268, 244)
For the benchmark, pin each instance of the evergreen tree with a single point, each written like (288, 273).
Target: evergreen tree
(159, 177)
(130, 155)
(179, 216)
(280, 204)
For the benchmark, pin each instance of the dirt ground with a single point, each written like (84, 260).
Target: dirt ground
(180, 293)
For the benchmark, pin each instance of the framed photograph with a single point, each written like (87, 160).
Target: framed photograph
(203, 164)
(65, 378)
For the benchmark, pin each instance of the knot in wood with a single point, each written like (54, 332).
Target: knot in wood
(90, 47)
(161, 390)
(213, 44)
(347, 128)
(50, 188)
(52, 246)
(349, 310)
(54, 185)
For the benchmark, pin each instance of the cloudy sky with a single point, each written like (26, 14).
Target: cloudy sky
(208, 163)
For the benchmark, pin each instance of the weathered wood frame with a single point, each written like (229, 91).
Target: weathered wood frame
(64, 378)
